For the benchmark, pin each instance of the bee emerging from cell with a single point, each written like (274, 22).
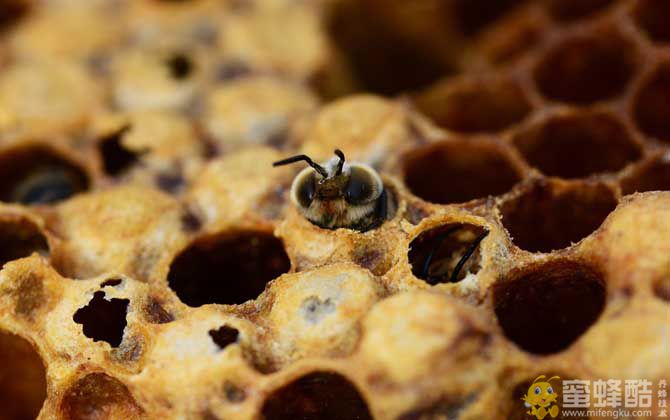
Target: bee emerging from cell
(339, 194)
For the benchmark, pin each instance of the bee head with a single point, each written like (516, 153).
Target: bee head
(337, 186)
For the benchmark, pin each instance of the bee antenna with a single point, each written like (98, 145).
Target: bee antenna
(340, 164)
(466, 257)
(299, 158)
(438, 243)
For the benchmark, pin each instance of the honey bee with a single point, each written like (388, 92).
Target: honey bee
(339, 194)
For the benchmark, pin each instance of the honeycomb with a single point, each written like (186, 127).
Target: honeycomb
(153, 265)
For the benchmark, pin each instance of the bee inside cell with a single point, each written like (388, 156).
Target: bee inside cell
(339, 194)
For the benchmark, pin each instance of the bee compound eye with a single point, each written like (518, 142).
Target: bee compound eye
(305, 189)
(357, 190)
(363, 185)
(550, 390)
(537, 390)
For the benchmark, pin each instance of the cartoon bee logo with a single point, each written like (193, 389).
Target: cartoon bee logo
(541, 398)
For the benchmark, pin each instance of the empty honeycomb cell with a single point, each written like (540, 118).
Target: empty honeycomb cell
(652, 104)
(578, 145)
(228, 268)
(437, 255)
(99, 396)
(513, 36)
(475, 105)
(22, 379)
(115, 157)
(587, 68)
(19, 237)
(545, 307)
(652, 17)
(38, 175)
(102, 319)
(318, 395)
(459, 171)
(549, 216)
(652, 175)
(224, 336)
(569, 10)
(382, 60)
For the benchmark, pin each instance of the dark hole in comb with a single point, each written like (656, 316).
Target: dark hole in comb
(35, 174)
(587, 69)
(180, 66)
(116, 158)
(383, 60)
(317, 396)
(224, 336)
(111, 282)
(103, 320)
(228, 268)
(475, 105)
(459, 171)
(580, 145)
(22, 378)
(20, 238)
(436, 253)
(544, 308)
(547, 217)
